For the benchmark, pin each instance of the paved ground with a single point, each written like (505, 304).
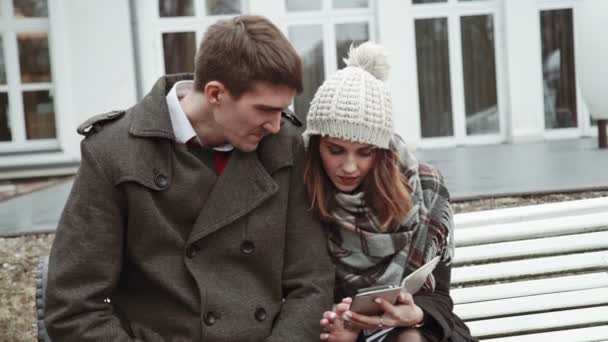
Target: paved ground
(513, 169)
(36, 212)
(471, 172)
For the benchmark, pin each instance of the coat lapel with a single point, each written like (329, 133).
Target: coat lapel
(243, 186)
(245, 183)
(151, 117)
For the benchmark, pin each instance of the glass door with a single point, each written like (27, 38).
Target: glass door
(169, 32)
(322, 32)
(564, 114)
(459, 85)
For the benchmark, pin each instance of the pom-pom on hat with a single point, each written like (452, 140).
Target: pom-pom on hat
(355, 103)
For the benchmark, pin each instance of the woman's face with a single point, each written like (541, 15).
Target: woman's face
(346, 163)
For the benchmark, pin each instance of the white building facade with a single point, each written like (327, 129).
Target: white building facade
(464, 72)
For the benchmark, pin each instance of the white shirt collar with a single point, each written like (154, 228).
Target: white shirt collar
(182, 128)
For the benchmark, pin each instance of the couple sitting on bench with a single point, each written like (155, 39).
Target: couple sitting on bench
(190, 218)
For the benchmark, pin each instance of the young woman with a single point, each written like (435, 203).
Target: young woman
(386, 214)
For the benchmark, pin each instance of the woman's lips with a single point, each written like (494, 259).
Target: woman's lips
(348, 180)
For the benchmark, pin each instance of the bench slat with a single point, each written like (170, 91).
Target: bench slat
(529, 267)
(530, 304)
(529, 287)
(530, 212)
(514, 249)
(531, 229)
(599, 333)
(539, 322)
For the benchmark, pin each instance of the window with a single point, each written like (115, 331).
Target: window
(308, 41)
(176, 8)
(322, 32)
(458, 85)
(434, 89)
(416, 2)
(479, 74)
(27, 109)
(182, 24)
(559, 85)
(179, 49)
(303, 5)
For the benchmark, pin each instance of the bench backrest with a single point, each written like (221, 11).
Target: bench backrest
(537, 273)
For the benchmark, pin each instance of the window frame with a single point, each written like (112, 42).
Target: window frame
(328, 17)
(453, 10)
(10, 27)
(584, 127)
(151, 27)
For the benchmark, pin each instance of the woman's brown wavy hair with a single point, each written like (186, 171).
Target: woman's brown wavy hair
(385, 186)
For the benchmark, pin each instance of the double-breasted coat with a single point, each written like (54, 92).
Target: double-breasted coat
(154, 245)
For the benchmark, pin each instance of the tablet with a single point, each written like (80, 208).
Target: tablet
(363, 302)
(414, 281)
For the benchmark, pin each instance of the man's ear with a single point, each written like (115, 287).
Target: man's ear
(213, 91)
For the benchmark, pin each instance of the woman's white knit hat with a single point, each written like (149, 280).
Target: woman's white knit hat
(355, 103)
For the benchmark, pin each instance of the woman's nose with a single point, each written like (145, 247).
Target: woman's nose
(350, 165)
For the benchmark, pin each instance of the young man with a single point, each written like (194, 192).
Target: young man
(188, 218)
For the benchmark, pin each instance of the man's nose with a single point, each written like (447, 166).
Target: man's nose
(274, 125)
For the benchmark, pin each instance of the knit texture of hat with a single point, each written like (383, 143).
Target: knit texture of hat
(355, 103)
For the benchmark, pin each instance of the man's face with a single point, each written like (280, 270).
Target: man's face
(244, 122)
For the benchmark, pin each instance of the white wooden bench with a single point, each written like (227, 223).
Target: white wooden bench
(537, 273)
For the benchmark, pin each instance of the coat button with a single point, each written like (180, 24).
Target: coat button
(161, 181)
(260, 314)
(247, 247)
(191, 251)
(210, 318)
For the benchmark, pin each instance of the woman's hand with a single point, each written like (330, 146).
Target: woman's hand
(336, 329)
(405, 313)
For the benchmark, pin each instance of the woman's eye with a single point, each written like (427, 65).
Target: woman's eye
(334, 150)
(366, 153)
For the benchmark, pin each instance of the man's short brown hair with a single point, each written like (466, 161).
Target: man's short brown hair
(244, 49)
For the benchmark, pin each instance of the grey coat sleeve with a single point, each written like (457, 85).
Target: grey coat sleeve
(308, 273)
(86, 259)
(441, 324)
(437, 306)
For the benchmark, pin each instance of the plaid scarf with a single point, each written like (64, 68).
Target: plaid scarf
(366, 256)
